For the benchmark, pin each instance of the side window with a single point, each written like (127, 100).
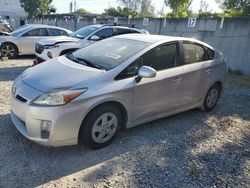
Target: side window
(134, 31)
(130, 71)
(160, 58)
(37, 33)
(57, 32)
(210, 53)
(122, 31)
(193, 53)
(104, 33)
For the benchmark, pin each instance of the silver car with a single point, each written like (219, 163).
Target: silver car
(23, 40)
(87, 96)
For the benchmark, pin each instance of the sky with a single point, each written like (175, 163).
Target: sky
(98, 6)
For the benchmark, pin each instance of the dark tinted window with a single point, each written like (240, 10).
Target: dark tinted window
(122, 31)
(37, 32)
(134, 31)
(193, 53)
(57, 32)
(160, 58)
(104, 33)
(210, 53)
(84, 32)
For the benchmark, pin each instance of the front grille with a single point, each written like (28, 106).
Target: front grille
(20, 98)
(39, 48)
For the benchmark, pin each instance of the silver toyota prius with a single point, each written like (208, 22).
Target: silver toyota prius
(87, 96)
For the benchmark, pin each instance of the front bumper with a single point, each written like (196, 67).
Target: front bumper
(66, 120)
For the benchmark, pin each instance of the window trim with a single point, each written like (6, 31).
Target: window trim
(178, 59)
(25, 34)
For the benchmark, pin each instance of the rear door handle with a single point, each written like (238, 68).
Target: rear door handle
(177, 79)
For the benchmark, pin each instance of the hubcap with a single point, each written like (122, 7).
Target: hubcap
(104, 127)
(212, 98)
(8, 51)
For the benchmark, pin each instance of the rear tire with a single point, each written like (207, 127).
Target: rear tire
(9, 50)
(211, 98)
(100, 126)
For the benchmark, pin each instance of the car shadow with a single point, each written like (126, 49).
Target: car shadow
(10, 73)
(27, 164)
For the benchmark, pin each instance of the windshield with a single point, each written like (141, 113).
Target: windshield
(107, 54)
(82, 33)
(20, 30)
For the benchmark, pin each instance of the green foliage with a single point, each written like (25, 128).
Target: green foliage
(179, 8)
(120, 12)
(147, 9)
(144, 8)
(82, 11)
(234, 8)
(36, 8)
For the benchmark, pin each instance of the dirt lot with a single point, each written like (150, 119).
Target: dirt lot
(191, 149)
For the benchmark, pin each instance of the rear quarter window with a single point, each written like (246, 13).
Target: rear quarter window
(210, 53)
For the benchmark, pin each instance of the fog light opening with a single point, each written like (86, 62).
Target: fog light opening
(49, 54)
(45, 129)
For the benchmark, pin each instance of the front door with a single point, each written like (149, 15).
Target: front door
(154, 96)
(29, 39)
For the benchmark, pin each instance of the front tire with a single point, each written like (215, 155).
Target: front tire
(8, 50)
(211, 98)
(101, 126)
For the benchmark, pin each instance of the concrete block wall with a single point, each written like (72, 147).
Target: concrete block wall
(230, 36)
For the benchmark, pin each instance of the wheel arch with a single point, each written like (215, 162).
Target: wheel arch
(8, 42)
(116, 103)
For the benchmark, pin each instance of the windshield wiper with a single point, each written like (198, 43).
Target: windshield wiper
(88, 63)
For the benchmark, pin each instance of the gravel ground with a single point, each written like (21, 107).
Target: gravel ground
(191, 149)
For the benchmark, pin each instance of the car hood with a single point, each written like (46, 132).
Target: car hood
(58, 73)
(57, 40)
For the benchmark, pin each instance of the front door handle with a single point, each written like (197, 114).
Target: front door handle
(177, 79)
(208, 71)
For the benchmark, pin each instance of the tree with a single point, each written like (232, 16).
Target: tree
(235, 7)
(143, 7)
(120, 12)
(179, 7)
(36, 8)
(82, 11)
(147, 10)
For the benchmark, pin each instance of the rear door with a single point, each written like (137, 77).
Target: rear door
(196, 70)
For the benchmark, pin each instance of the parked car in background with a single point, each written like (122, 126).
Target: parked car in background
(22, 41)
(51, 48)
(116, 83)
(5, 27)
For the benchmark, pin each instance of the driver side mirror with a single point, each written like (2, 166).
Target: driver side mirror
(145, 72)
(95, 38)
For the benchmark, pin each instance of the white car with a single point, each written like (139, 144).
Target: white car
(51, 48)
(22, 41)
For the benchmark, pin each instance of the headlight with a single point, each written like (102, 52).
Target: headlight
(50, 47)
(58, 97)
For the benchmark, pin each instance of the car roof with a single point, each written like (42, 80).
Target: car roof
(157, 38)
(43, 25)
(125, 27)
